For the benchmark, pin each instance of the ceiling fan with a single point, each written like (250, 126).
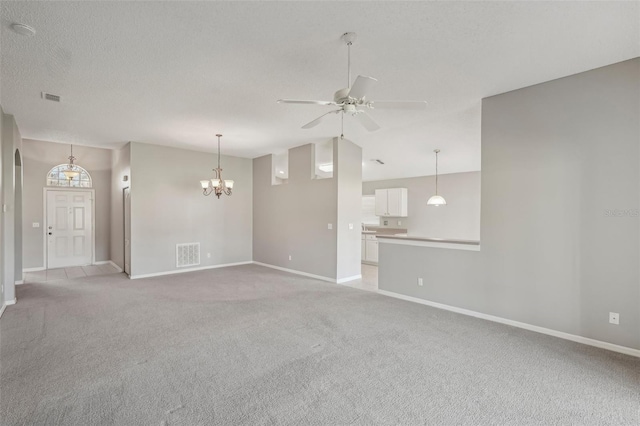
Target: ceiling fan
(352, 100)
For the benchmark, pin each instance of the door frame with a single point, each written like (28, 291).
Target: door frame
(124, 230)
(45, 246)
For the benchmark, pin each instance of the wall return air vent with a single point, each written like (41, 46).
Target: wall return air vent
(187, 255)
(51, 97)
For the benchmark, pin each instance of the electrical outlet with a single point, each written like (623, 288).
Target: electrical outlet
(614, 318)
(420, 283)
(350, 226)
(209, 255)
(399, 222)
(329, 225)
(35, 224)
(289, 257)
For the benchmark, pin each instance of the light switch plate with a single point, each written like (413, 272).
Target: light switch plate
(329, 226)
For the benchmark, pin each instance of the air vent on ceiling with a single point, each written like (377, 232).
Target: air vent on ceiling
(187, 254)
(377, 160)
(51, 97)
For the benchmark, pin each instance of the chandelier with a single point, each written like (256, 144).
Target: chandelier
(217, 185)
(436, 200)
(71, 171)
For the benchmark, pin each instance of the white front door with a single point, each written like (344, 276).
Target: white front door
(69, 228)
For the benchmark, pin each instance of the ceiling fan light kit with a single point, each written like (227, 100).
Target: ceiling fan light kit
(351, 100)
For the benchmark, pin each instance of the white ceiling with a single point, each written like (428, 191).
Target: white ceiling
(176, 73)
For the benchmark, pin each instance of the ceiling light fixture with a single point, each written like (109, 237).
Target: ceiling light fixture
(436, 200)
(217, 184)
(71, 171)
(23, 29)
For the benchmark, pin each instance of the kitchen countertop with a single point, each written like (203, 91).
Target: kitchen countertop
(432, 240)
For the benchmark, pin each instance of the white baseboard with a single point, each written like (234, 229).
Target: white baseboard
(19, 282)
(38, 269)
(537, 329)
(293, 271)
(108, 262)
(180, 271)
(7, 303)
(347, 279)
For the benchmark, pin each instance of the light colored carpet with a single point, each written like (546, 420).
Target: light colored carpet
(253, 346)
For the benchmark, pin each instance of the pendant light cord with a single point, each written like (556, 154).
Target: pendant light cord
(437, 151)
(218, 154)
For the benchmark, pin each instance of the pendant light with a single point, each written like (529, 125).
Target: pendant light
(71, 171)
(217, 185)
(436, 200)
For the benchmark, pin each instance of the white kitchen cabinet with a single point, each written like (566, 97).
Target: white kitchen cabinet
(372, 251)
(392, 202)
(369, 248)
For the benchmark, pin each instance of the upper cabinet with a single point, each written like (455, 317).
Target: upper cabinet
(391, 202)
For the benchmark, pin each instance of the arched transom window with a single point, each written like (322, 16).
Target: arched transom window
(56, 177)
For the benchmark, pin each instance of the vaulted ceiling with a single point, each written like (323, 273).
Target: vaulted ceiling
(176, 73)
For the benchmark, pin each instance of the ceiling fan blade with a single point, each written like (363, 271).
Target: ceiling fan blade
(361, 86)
(367, 121)
(297, 101)
(397, 104)
(317, 121)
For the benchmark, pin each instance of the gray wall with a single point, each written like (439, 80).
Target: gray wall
(120, 167)
(555, 158)
(292, 218)
(38, 158)
(168, 208)
(459, 219)
(2, 234)
(11, 141)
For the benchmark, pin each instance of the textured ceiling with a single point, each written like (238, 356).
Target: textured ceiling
(176, 73)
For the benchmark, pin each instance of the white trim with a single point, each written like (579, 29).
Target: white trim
(19, 282)
(179, 271)
(108, 262)
(347, 279)
(418, 243)
(38, 269)
(11, 302)
(293, 271)
(4, 306)
(561, 334)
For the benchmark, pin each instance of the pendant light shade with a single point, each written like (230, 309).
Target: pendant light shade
(71, 171)
(436, 200)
